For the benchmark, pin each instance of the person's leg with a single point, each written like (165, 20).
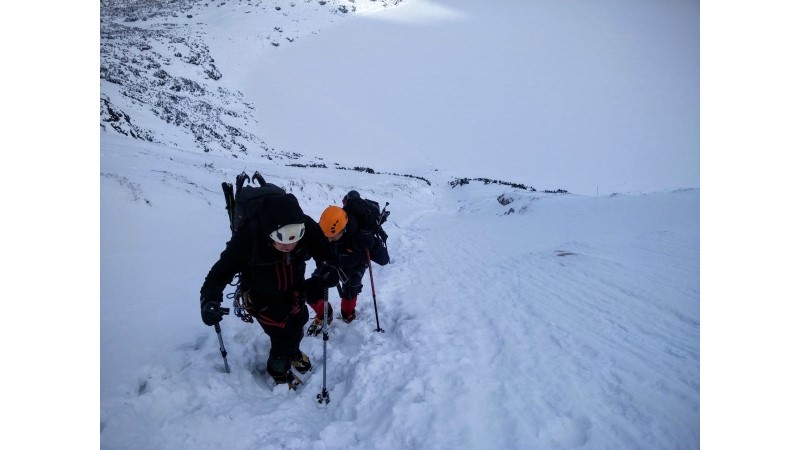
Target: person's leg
(314, 296)
(294, 332)
(350, 290)
(284, 349)
(280, 353)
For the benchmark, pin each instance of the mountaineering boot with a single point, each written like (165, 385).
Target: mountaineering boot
(316, 325)
(278, 369)
(349, 309)
(282, 378)
(302, 364)
(347, 318)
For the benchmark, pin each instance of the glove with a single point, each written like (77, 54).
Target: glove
(365, 239)
(327, 275)
(211, 311)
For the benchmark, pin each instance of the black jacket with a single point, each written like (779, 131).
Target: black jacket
(351, 252)
(273, 279)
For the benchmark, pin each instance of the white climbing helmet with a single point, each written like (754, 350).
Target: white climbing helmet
(289, 234)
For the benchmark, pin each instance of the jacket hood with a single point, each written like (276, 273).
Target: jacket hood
(280, 211)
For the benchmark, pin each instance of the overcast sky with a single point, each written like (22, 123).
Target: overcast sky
(595, 97)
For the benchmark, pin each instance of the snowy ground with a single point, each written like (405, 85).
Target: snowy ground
(572, 322)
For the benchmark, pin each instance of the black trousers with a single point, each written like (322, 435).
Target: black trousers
(284, 338)
(351, 285)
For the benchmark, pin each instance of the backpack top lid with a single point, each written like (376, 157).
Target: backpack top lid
(365, 211)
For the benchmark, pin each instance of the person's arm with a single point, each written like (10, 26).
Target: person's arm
(379, 253)
(221, 273)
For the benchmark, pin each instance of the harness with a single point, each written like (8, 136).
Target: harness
(243, 305)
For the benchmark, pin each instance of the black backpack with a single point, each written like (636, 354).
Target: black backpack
(242, 205)
(367, 213)
(248, 201)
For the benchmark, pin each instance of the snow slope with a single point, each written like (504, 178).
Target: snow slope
(572, 322)
(586, 96)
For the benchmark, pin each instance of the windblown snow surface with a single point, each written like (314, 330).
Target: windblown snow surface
(571, 322)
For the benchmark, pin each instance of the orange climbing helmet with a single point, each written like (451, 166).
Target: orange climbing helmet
(333, 221)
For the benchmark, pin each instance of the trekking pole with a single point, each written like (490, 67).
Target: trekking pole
(374, 301)
(221, 344)
(323, 396)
